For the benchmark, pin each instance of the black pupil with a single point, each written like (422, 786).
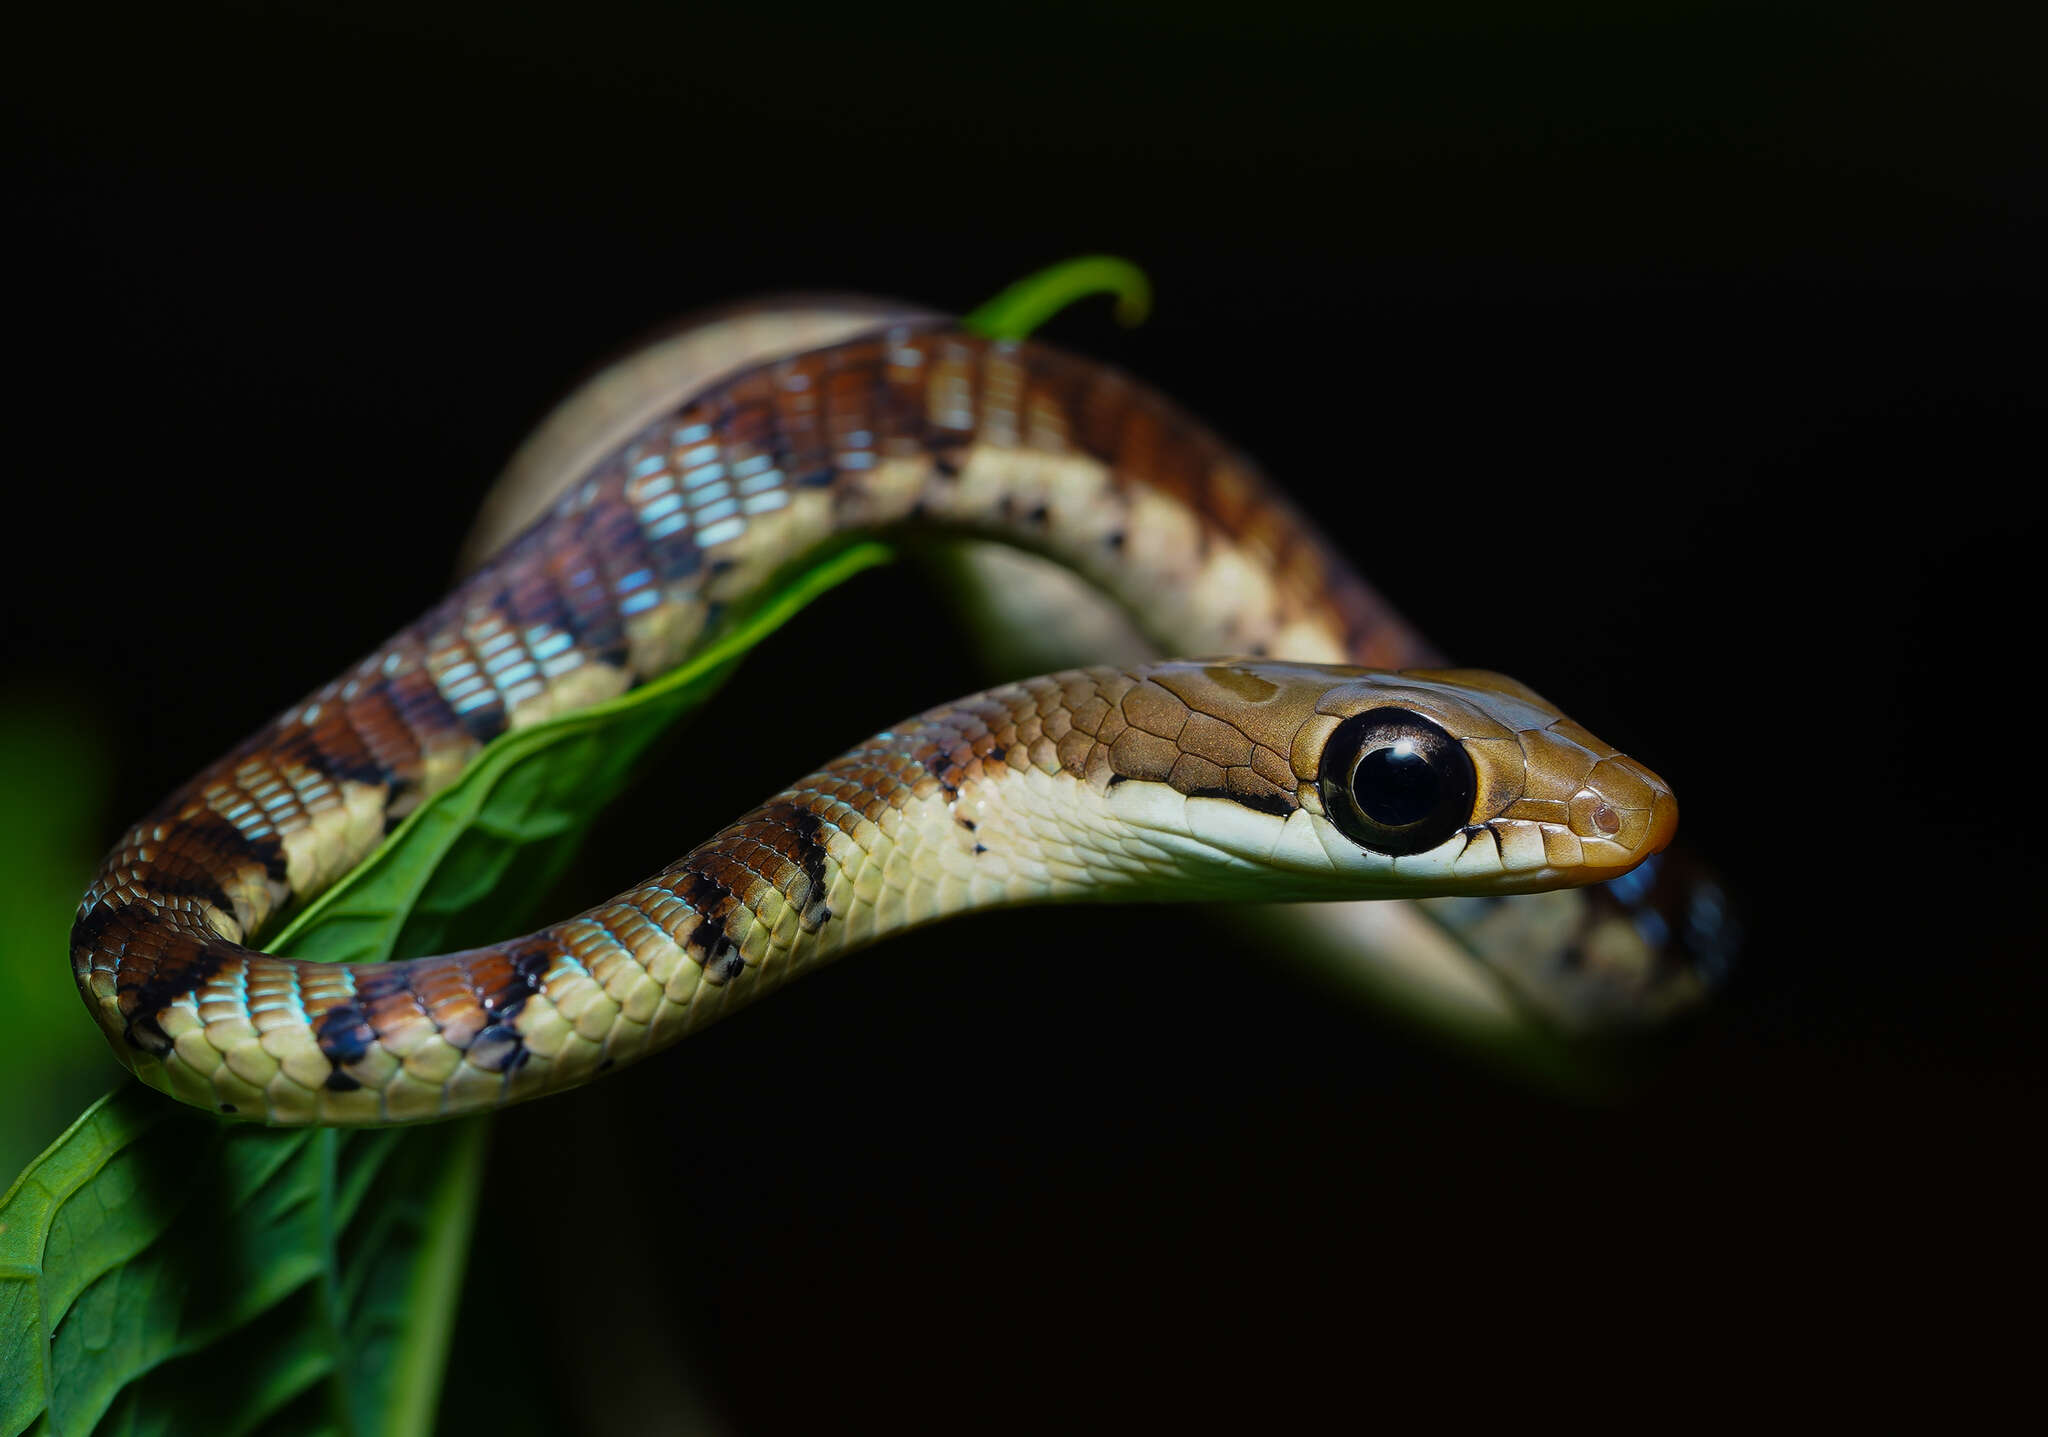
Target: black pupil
(1396, 785)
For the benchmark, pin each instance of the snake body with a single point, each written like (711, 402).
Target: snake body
(1167, 781)
(1611, 958)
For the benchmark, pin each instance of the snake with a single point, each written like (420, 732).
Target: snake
(1328, 754)
(1589, 965)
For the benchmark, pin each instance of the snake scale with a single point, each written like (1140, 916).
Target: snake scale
(1303, 767)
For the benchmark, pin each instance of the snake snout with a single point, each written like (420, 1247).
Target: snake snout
(1627, 810)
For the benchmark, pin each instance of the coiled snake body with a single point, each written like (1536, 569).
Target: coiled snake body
(1296, 771)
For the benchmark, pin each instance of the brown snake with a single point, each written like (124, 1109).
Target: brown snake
(1265, 776)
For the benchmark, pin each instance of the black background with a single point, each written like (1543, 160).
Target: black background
(1688, 367)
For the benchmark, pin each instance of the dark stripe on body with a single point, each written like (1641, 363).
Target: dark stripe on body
(716, 952)
(419, 703)
(804, 846)
(184, 965)
(345, 1036)
(322, 751)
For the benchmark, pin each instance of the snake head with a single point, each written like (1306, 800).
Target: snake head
(1463, 786)
(1563, 807)
(1419, 783)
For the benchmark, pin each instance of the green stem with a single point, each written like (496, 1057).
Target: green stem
(436, 1288)
(1031, 301)
(327, 1146)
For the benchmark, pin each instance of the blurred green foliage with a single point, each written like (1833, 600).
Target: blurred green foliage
(53, 793)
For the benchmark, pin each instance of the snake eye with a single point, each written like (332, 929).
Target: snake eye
(1396, 783)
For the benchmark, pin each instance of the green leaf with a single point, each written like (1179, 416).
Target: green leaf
(53, 787)
(1031, 301)
(150, 1234)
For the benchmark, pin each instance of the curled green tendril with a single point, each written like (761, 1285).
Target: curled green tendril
(1031, 301)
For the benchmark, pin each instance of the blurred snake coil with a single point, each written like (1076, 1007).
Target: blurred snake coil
(1330, 754)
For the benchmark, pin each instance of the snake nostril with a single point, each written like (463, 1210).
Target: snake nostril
(1606, 820)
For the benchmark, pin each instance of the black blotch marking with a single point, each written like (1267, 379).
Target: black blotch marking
(714, 947)
(980, 848)
(1271, 803)
(348, 768)
(267, 850)
(1115, 539)
(810, 832)
(676, 556)
(227, 1107)
(594, 621)
(91, 929)
(945, 464)
(213, 834)
(611, 528)
(186, 961)
(418, 698)
(996, 754)
(704, 893)
(1038, 515)
(607, 1065)
(345, 1036)
(730, 964)
(723, 566)
(419, 704)
(486, 721)
(533, 599)
(186, 964)
(299, 746)
(189, 885)
(967, 823)
(498, 1049)
(1117, 778)
(823, 477)
(530, 959)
